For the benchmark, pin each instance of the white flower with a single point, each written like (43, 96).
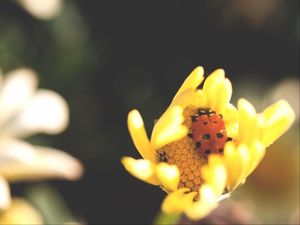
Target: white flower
(24, 111)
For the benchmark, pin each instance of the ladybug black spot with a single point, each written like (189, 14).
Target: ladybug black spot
(205, 123)
(207, 151)
(198, 144)
(221, 150)
(220, 135)
(229, 139)
(190, 135)
(206, 136)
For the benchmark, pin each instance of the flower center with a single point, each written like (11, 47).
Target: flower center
(207, 135)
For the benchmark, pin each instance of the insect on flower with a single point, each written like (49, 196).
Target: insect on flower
(203, 147)
(208, 132)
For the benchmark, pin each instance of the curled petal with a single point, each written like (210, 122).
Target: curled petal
(214, 174)
(139, 136)
(142, 169)
(169, 127)
(21, 161)
(212, 85)
(278, 119)
(206, 203)
(178, 201)
(231, 114)
(168, 175)
(192, 81)
(231, 119)
(257, 152)
(46, 112)
(189, 97)
(247, 121)
(236, 160)
(224, 91)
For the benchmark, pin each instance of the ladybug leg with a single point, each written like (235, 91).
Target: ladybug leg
(194, 118)
(162, 156)
(190, 135)
(204, 111)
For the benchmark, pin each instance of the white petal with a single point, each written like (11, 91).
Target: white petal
(22, 161)
(46, 112)
(45, 9)
(5, 199)
(17, 88)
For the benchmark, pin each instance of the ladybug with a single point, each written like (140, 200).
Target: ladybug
(208, 132)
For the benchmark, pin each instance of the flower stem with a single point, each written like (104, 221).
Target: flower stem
(164, 218)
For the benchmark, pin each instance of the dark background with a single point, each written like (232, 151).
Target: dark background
(108, 57)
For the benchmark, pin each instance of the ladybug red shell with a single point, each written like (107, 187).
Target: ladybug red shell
(208, 132)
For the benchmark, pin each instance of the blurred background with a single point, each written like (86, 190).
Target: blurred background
(108, 57)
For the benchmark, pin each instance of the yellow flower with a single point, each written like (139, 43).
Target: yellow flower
(198, 166)
(24, 111)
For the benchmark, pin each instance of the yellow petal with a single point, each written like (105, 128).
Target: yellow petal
(247, 121)
(139, 136)
(189, 97)
(224, 91)
(202, 207)
(178, 201)
(278, 119)
(236, 160)
(192, 81)
(214, 174)
(142, 169)
(169, 127)
(211, 86)
(231, 114)
(231, 119)
(168, 175)
(20, 212)
(257, 152)
(232, 130)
